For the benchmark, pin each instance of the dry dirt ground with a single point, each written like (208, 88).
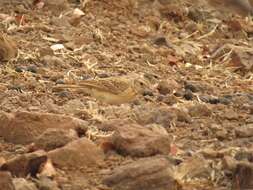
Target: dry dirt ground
(190, 128)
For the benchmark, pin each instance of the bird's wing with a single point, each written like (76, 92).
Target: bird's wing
(114, 86)
(70, 86)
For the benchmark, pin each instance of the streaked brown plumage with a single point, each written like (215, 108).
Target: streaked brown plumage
(113, 90)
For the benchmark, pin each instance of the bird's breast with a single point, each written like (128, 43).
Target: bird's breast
(110, 98)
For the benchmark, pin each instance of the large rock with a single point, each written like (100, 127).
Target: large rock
(6, 181)
(55, 138)
(243, 176)
(162, 115)
(147, 173)
(145, 115)
(25, 164)
(23, 127)
(244, 131)
(77, 154)
(45, 183)
(242, 170)
(199, 110)
(194, 167)
(23, 184)
(136, 140)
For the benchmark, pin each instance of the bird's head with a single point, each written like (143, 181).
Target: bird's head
(140, 84)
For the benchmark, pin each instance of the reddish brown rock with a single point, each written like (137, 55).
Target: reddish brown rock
(6, 181)
(244, 131)
(222, 134)
(25, 164)
(77, 154)
(243, 176)
(55, 138)
(164, 87)
(194, 167)
(23, 127)
(251, 110)
(229, 163)
(211, 153)
(199, 110)
(230, 114)
(148, 173)
(168, 99)
(136, 140)
(242, 60)
(162, 115)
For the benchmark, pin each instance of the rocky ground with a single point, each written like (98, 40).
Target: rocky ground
(192, 128)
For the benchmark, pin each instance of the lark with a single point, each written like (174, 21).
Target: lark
(112, 90)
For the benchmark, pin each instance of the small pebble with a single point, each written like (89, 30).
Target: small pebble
(103, 75)
(228, 96)
(213, 101)
(191, 87)
(250, 97)
(15, 87)
(251, 110)
(136, 102)
(19, 69)
(170, 100)
(160, 98)
(63, 94)
(221, 135)
(179, 94)
(204, 98)
(60, 81)
(161, 41)
(164, 87)
(32, 68)
(188, 95)
(225, 101)
(86, 77)
(148, 93)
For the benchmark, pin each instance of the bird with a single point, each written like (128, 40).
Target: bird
(111, 90)
(8, 48)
